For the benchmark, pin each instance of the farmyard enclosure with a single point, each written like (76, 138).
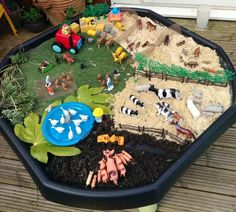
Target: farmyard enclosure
(154, 146)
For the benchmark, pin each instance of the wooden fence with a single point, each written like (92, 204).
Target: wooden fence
(149, 75)
(161, 132)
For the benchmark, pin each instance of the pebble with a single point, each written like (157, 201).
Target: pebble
(90, 40)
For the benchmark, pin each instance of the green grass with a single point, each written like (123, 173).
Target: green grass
(89, 54)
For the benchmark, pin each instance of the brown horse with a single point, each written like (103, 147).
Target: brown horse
(186, 132)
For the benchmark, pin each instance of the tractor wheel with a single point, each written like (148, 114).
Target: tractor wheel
(57, 47)
(73, 51)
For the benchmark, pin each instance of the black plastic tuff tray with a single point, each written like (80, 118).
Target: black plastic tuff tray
(126, 198)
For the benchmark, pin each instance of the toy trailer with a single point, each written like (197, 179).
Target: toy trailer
(72, 42)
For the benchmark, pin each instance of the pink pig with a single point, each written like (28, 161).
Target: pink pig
(120, 165)
(103, 171)
(111, 166)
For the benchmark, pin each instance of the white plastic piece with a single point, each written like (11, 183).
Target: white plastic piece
(77, 121)
(216, 108)
(59, 129)
(78, 129)
(84, 117)
(72, 112)
(142, 88)
(193, 109)
(62, 119)
(66, 114)
(53, 122)
(70, 134)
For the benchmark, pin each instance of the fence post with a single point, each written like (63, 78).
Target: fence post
(120, 126)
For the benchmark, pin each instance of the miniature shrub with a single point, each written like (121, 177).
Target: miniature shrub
(221, 76)
(96, 10)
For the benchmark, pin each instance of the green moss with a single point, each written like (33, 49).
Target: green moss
(97, 60)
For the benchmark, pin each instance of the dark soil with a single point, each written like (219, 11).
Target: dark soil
(151, 157)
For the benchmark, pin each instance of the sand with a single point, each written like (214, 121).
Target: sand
(157, 50)
(147, 115)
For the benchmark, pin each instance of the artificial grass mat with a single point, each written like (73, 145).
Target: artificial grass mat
(97, 60)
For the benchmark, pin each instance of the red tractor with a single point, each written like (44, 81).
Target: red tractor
(70, 41)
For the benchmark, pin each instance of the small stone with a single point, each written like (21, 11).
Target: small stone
(113, 32)
(90, 40)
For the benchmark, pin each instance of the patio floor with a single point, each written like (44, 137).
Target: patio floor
(209, 185)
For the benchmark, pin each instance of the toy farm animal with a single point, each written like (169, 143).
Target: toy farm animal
(140, 24)
(121, 57)
(180, 130)
(136, 101)
(170, 116)
(151, 27)
(119, 26)
(193, 109)
(109, 42)
(117, 52)
(111, 166)
(128, 111)
(68, 58)
(168, 93)
(101, 40)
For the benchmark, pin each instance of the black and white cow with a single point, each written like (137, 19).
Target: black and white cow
(164, 109)
(128, 111)
(136, 101)
(168, 93)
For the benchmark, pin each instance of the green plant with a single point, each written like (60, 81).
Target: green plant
(221, 76)
(31, 133)
(14, 103)
(70, 12)
(96, 10)
(32, 15)
(93, 97)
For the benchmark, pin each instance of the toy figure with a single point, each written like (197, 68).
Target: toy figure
(140, 24)
(129, 111)
(65, 29)
(120, 26)
(111, 166)
(116, 77)
(110, 86)
(82, 66)
(57, 59)
(136, 101)
(103, 171)
(115, 15)
(57, 84)
(68, 78)
(93, 184)
(64, 86)
(120, 165)
(48, 86)
(98, 113)
(68, 58)
(63, 77)
(109, 42)
(99, 78)
(121, 57)
(180, 130)
(151, 27)
(102, 40)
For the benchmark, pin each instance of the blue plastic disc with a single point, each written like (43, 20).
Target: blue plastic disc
(72, 51)
(56, 48)
(62, 139)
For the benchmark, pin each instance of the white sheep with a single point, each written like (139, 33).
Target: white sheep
(193, 109)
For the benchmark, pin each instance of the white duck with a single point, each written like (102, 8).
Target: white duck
(70, 134)
(72, 112)
(78, 129)
(53, 122)
(77, 121)
(84, 117)
(59, 129)
(62, 119)
(66, 114)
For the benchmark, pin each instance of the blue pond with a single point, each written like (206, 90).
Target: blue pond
(63, 138)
